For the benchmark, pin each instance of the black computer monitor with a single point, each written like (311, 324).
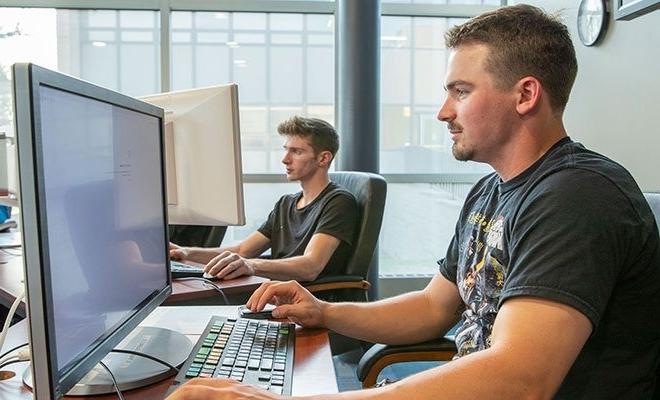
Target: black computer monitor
(94, 213)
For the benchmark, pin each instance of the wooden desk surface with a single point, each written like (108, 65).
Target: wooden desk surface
(11, 283)
(313, 371)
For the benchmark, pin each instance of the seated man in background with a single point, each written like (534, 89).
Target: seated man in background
(554, 267)
(310, 233)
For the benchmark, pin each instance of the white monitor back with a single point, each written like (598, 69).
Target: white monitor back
(8, 171)
(203, 155)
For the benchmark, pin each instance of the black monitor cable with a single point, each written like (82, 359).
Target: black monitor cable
(209, 282)
(148, 356)
(114, 381)
(24, 355)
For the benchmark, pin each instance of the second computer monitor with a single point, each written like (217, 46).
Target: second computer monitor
(203, 155)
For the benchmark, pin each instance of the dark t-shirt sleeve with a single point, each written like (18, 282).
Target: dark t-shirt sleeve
(448, 265)
(568, 241)
(339, 217)
(266, 228)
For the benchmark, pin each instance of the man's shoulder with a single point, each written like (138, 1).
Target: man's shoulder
(287, 199)
(337, 190)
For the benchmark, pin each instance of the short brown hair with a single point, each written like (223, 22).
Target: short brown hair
(321, 134)
(523, 41)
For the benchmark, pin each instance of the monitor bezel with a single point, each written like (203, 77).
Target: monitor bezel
(28, 78)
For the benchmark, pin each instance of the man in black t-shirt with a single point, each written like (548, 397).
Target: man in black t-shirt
(310, 233)
(553, 273)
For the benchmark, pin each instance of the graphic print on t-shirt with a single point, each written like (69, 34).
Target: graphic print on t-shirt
(480, 281)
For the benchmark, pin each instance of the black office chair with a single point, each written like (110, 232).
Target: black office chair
(654, 202)
(380, 356)
(197, 235)
(370, 191)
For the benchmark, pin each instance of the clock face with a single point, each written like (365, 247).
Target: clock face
(591, 20)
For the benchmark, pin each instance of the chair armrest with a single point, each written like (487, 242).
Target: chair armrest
(337, 282)
(380, 356)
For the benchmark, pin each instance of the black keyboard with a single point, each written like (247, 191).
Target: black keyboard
(256, 352)
(181, 270)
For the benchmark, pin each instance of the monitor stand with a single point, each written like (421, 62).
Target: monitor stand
(133, 371)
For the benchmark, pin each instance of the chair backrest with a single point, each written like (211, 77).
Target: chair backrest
(654, 202)
(370, 191)
(197, 235)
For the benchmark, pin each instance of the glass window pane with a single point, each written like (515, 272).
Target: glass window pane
(210, 20)
(132, 19)
(249, 71)
(138, 63)
(102, 18)
(395, 75)
(182, 66)
(249, 21)
(181, 20)
(181, 37)
(282, 38)
(400, 250)
(320, 23)
(286, 22)
(243, 38)
(211, 66)
(212, 37)
(320, 39)
(395, 31)
(429, 71)
(430, 32)
(321, 74)
(137, 37)
(286, 75)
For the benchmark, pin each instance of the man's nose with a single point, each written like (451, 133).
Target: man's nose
(446, 112)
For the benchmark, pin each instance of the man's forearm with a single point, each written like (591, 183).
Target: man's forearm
(402, 319)
(483, 375)
(203, 255)
(295, 268)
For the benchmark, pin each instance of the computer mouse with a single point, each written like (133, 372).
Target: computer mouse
(206, 275)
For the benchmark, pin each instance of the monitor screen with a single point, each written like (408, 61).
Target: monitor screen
(94, 220)
(203, 155)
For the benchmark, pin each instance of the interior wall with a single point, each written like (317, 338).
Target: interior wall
(615, 104)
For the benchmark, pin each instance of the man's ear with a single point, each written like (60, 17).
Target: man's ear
(325, 158)
(529, 92)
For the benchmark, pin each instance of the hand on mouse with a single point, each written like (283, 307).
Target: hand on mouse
(228, 265)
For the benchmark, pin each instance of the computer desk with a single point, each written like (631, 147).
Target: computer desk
(313, 370)
(183, 292)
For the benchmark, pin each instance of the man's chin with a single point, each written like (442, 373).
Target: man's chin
(461, 154)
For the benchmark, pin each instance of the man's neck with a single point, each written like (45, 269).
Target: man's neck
(527, 148)
(312, 187)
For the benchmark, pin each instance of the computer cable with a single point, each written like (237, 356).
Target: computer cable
(10, 316)
(150, 357)
(8, 352)
(208, 281)
(11, 253)
(9, 362)
(114, 381)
